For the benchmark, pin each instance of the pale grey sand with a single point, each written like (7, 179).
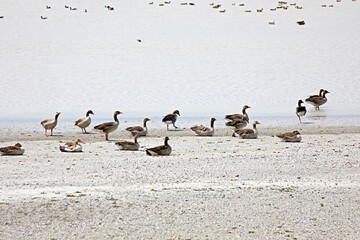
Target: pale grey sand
(209, 188)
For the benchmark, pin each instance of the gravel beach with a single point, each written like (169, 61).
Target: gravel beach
(209, 187)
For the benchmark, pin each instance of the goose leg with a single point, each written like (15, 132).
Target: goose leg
(45, 132)
(106, 137)
(51, 132)
(85, 130)
(167, 127)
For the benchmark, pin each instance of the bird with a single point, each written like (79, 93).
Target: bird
(162, 150)
(130, 146)
(300, 110)
(204, 131)
(171, 119)
(17, 149)
(108, 127)
(244, 115)
(320, 93)
(247, 133)
(301, 22)
(72, 146)
(83, 123)
(237, 123)
(50, 123)
(290, 136)
(317, 101)
(138, 130)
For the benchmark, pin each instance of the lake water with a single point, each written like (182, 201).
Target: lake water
(192, 58)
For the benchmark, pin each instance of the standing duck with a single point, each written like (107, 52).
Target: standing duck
(317, 101)
(83, 123)
(162, 150)
(247, 133)
(300, 110)
(50, 123)
(204, 131)
(109, 127)
(130, 146)
(17, 149)
(290, 136)
(72, 146)
(171, 119)
(239, 116)
(138, 130)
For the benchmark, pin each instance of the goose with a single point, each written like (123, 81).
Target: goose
(138, 130)
(247, 133)
(72, 146)
(162, 150)
(17, 149)
(130, 146)
(301, 22)
(108, 127)
(237, 123)
(237, 116)
(290, 136)
(300, 110)
(83, 123)
(50, 123)
(320, 93)
(171, 119)
(204, 131)
(317, 101)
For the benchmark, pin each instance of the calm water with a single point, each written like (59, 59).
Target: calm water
(190, 58)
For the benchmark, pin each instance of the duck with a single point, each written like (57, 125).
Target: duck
(239, 116)
(317, 101)
(72, 146)
(83, 123)
(162, 150)
(205, 131)
(109, 127)
(138, 130)
(290, 136)
(301, 22)
(50, 123)
(300, 110)
(171, 119)
(247, 133)
(17, 149)
(130, 146)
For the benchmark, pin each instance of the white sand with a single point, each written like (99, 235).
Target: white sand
(209, 188)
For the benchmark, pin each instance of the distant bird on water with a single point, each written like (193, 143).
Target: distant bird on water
(17, 149)
(50, 123)
(171, 119)
(83, 123)
(317, 101)
(300, 110)
(109, 127)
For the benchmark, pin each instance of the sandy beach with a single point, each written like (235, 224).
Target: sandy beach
(209, 187)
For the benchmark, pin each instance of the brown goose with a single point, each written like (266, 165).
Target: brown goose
(72, 146)
(317, 101)
(204, 131)
(50, 123)
(130, 146)
(83, 123)
(162, 150)
(290, 136)
(109, 127)
(138, 130)
(17, 149)
(237, 116)
(171, 119)
(238, 123)
(300, 110)
(247, 133)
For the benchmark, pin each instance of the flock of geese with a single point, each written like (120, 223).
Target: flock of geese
(237, 121)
